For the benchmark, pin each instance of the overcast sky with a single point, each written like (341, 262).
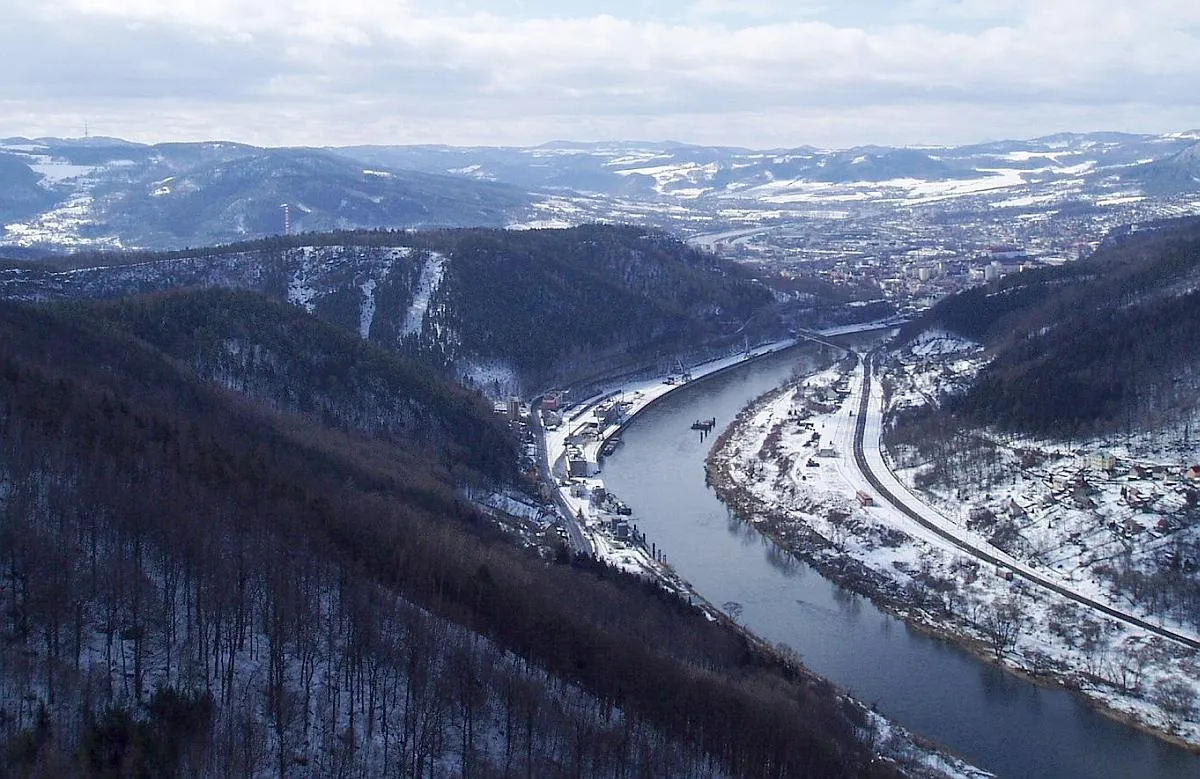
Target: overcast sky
(758, 73)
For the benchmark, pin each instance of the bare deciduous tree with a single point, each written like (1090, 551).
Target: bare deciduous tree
(1003, 622)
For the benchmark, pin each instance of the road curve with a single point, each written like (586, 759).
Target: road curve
(860, 460)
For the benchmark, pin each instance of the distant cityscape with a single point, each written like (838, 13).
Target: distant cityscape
(914, 257)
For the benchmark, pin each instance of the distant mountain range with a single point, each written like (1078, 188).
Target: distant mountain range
(625, 168)
(97, 192)
(107, 192)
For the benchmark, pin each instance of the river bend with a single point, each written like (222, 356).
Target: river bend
(993, 719)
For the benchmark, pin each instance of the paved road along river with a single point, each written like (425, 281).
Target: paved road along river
(995, 720)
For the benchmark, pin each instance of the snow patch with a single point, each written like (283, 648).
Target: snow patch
(367, 312)
(666, 176)
(1119, 200)
(513, 506)
(494, 378)
(53, 171)
(939, 343)
(1027, 200)
(427, 284)
(1025, 156)
(300, 291)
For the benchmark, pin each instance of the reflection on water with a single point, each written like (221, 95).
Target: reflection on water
(778, 558)
(784, 562)
(992, 718)
(850, 603)
(742, 531)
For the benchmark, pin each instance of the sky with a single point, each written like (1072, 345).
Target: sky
(754, 73)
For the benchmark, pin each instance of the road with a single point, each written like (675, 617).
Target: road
(928, 518)
(576, 538)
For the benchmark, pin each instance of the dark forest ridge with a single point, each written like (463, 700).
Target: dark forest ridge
(507, 310)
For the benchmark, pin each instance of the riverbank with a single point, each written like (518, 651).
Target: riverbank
(766, 468)
(577, 494)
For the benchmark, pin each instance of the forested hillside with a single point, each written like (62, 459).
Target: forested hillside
(1106, 345)
(556, 300)
(218, 564)
(543, 305)
(302, 365)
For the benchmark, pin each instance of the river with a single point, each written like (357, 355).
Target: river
(995, 720)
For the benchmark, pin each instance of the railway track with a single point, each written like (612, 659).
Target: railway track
(860, 459)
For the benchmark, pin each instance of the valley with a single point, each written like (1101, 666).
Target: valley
(1015, 492)
(515, 389)
(1052, 533)
(903, 225)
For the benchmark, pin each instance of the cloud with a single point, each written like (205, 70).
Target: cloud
(754, 9)
(315, 72)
